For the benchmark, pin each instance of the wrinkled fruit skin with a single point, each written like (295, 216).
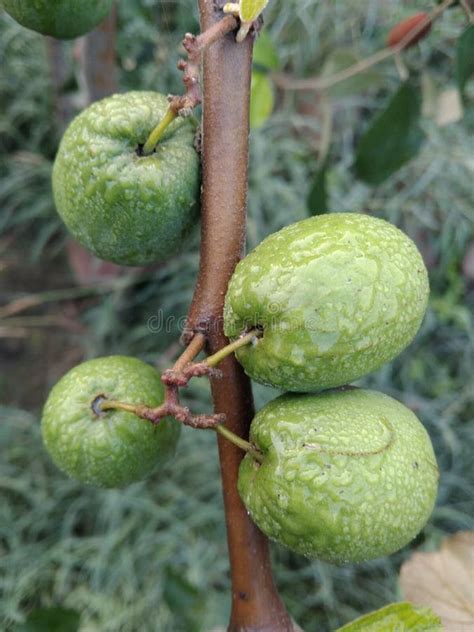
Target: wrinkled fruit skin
(347, 475)
(115, 448)
(129, 209)
(337, 296)
(63, 19)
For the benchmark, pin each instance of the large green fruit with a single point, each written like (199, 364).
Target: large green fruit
(346, 476)
(336, 296)
(125, 207)
(63, 19)
(112, 448)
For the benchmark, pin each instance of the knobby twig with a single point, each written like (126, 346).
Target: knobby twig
(194, 45)
(171, 406)
(181, 373)
(183, 105)
(178, 376)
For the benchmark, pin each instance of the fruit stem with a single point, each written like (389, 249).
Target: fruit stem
(112, 404)
(159, 130)
(250, 337)
(103, 404)
(240, 443)
(169, 408)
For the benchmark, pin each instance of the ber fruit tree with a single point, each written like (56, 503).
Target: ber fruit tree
(329, 470)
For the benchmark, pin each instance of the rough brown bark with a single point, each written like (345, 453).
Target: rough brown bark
(256, 605)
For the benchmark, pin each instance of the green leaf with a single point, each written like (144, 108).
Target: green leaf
(251, 9)
(443, 579)
(393, 138)
(51, 620)
(465, 58)
(265, 53)
(261, 99)
(396, 617)
(317, 201)
(340, 59)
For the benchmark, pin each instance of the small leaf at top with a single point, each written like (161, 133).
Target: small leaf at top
(261, 99)
(317, 201)
(265, 54)
(465, 58)
(393, 138)
(396, 617)
(51, 620)
(444, 580)
(251, 9)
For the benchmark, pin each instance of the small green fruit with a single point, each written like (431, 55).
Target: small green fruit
(346, 476)
(336, 296)
(63, 19)
(112, 448)
(125, 207)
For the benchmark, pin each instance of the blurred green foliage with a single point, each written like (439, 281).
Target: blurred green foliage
(153, 556)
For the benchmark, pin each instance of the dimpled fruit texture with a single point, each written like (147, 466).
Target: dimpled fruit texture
(63, 19)
(126, 208)
(346, 476)
(336, 295)
(115, 448)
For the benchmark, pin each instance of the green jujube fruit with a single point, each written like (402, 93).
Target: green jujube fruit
(63, 19)
(336, 296)
(346, 475)
(112, 448)
(125, 207)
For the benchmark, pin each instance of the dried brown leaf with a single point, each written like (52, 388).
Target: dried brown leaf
(444, 581)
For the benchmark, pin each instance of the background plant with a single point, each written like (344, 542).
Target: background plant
(127, 559)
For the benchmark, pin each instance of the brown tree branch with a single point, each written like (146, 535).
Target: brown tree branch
(256, 606)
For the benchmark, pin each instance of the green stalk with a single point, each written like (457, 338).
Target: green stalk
(240, 443)
(110, 404)
(158, 132)
(213, 360)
